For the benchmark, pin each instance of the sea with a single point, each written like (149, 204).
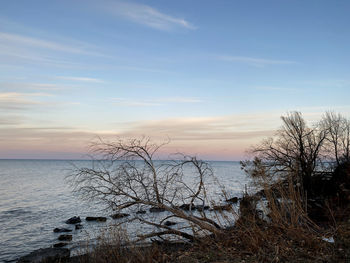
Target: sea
(36, 197)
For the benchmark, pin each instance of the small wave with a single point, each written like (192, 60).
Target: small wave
(17, 211)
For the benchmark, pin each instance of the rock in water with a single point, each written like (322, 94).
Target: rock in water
(119, 215)
(74, 220)
(201, 208)
(232, 200)
(222, 207)
(156, 209)
(96, 218)
(170, 223)
(60, 230)
(65, 237)
(187, 207)
(46, 255)
(60, 244)
(78, 226)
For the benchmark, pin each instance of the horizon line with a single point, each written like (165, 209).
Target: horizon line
(55, 159)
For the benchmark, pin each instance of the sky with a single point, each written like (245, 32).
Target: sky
(212, 76)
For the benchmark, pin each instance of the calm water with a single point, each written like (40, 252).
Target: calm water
(35, 198)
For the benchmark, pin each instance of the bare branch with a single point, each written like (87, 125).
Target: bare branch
(126, 176)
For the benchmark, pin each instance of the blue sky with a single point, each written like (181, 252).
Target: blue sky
(213, 76)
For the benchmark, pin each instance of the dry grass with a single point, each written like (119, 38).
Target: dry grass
(283, 233)
(114, 246)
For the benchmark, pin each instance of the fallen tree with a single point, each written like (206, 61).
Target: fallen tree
(126, 177)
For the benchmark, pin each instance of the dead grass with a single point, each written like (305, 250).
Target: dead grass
(281, 233)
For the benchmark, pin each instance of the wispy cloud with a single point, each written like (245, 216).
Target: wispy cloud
(19, 101)
(10, 120)
(134, 103)
(146, 15)
(272, 88)
(19, 40)
(153, 102)
(18, 48)
(181, 100)
(221, 137)
(35, 142)
(221, 128)
(329, 83)
(217, 137)
(32, 86)
(21, 50)
(257, 62)
(81, 79)
(16, 56)
(213, 137)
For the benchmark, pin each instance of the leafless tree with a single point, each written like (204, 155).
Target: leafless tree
(300, 150)
(128, 178)
(338, 139)
(294, 150)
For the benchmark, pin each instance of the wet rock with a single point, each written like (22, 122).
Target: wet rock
(232, 200)
(78, 226)
(201, 208)
(222, 207)
(187, 207)
(119, 215)
(156, 209)
(74, 220)
(61, 230)
(60, 244)
(46, 255)
(169, 223)
(141, 212)
(65, 238)
(96, 218)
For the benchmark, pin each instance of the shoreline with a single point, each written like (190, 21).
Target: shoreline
(335, 247)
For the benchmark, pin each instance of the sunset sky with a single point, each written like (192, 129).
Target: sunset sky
(213, 76)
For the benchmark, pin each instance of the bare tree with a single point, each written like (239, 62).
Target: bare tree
(338, 139)
(128, 178)
(294, 150)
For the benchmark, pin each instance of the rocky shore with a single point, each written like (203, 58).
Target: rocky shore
(316, 229)
(58, 253)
